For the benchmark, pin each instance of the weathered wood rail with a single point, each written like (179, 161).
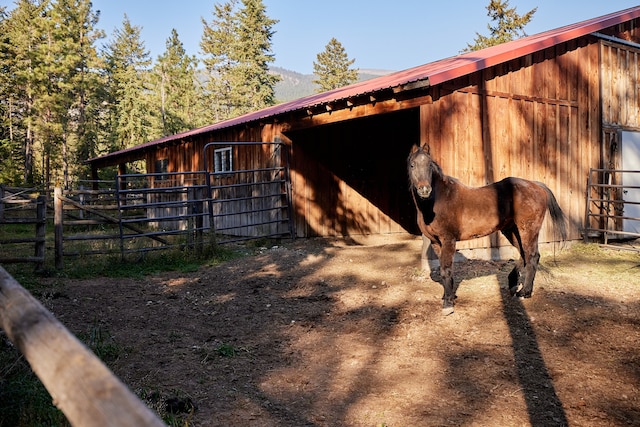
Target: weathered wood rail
(128, 217)
(139, 213)
(81, 386)
(24, 206)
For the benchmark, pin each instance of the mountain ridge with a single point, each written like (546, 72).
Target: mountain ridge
(295, 85)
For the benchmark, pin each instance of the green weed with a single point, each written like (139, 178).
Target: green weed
(225, 350)
(102, 343)
(176, 408)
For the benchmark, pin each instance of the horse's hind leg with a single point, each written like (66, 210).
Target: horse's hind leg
(447, 252)
(530, 268)
(527, 244)
(515, 276)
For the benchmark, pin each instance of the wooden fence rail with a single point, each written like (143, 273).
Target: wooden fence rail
(24, 206)
(81, 386)
(138, 213)
(131, 217)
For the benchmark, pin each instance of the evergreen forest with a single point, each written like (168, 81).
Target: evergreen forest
(69, 92)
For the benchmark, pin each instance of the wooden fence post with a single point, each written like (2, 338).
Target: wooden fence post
(57, 227)
(82, 387)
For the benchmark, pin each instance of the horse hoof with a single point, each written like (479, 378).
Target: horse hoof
(447, 311)
(521, 295)
(516, 290)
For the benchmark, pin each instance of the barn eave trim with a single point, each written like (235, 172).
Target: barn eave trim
(352, 102)
(415, 85)
(616, 40)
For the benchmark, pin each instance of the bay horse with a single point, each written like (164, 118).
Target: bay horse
(449, 211)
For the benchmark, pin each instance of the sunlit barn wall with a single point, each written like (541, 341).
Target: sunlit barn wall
(548, 116)
(536, 117)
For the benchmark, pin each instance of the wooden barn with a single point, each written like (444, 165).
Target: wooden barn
(548, 107)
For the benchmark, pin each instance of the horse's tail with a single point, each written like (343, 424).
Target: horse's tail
(557, 216)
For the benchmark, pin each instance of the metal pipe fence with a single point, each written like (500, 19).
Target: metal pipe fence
(139, 213)
(612, 205)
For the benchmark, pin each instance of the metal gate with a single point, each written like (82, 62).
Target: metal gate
(608, 204)
(248, 202)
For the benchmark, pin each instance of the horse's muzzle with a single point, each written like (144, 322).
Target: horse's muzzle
(424, 191)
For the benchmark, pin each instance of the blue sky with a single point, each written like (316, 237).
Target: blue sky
(378, 34)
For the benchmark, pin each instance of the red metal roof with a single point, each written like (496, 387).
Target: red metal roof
(433, 73)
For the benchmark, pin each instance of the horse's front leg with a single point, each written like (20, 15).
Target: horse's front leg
(447, 252)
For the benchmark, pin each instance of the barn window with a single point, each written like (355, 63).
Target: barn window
(162, 166)
(223, 160)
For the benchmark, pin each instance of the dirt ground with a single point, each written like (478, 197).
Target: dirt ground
(350, 333)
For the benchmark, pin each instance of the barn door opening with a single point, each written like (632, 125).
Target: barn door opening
(249, 190)
(631, 181)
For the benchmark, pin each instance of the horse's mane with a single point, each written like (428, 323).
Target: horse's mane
(437, 167)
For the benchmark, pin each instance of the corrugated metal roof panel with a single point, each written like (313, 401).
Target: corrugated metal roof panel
(435, 73)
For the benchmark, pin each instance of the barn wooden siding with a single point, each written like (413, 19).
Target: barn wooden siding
(252, 200)
(620, 110)
(245, 204)
(543, 117)
(549, 116)
(536, 117)
(188, 154)
(621, 97)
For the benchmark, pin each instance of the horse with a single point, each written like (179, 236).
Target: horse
(449, 211)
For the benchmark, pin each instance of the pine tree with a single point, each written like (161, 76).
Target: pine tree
(332, 67)
(21, 38)
(509, 25)
(127, 72)
(174, 88)
(237, 43)
(217, 38)
(74, 61)
(11, 155)
(50, 101)
(255, 87)
(10, 149)
(49, 48)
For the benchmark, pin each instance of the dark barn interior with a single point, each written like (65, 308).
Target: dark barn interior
(367, 156)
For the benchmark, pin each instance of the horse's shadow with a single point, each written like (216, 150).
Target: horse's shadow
(543, 404)
(470, 268)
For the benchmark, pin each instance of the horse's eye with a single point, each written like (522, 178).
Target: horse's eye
(413, 164)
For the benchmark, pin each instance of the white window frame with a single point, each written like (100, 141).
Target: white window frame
(223, 160)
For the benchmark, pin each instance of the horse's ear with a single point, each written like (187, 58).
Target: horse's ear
(426, 148)
(414, 148)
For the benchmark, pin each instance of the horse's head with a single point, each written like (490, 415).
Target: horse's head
(421, 168)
